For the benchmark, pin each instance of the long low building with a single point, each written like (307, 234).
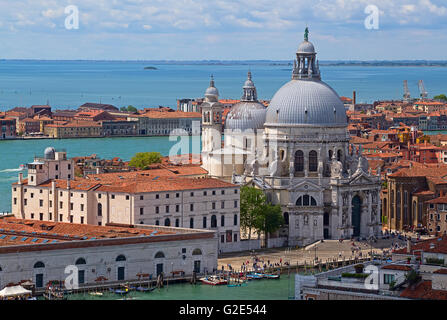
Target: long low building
(44, 251)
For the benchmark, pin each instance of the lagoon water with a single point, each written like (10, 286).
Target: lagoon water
(280, 289)
(68, 84)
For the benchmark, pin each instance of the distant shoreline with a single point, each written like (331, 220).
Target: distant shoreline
(332, 63)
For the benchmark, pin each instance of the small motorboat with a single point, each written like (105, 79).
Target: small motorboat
(214, 281)
(254, 276)
(144, 289)
(271, 276)
(96, 294)
(120, 291)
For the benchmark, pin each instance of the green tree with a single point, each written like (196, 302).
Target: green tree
(269, 220)
(441, 97)
(129, 109)
(252, 201)
(257, 214)
(143, 160)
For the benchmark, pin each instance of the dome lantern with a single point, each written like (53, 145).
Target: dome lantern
(212, 94)
(306, 66)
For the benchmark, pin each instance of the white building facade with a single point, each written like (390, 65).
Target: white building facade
(300, 156)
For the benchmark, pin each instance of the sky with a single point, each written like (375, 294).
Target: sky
(222, 29)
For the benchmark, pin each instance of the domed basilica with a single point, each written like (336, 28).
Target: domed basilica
(297, 151)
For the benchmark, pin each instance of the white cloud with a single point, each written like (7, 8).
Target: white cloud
(240, 22)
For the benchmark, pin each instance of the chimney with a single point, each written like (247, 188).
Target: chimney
(68, 184)
(354, 100)
(408, 246)
(20, 178)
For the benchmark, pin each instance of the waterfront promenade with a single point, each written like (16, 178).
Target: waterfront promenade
(329, 250)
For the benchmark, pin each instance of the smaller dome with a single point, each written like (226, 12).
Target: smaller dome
(306, 47)
(49, 153)
(212, 94)
(211, 91)
(246, 115)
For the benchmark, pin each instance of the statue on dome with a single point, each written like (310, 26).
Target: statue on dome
(306, 34)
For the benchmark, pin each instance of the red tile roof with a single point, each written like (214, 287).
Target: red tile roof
(397, 267)
(423, 290)
(437, 245)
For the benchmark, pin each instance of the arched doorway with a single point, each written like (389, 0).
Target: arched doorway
(356, 213)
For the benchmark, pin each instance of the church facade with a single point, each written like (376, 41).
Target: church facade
(298, 152)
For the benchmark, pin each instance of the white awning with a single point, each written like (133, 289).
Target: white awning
(14, 291)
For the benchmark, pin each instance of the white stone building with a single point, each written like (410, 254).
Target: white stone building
(154, 197)
(297, 151)
(41, 252)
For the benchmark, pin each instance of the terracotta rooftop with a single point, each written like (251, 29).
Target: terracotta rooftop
(15, 231)
(398, 267)
(170, 115)
(437, 245)
(137, 182)
(439, 200)
(424, 290)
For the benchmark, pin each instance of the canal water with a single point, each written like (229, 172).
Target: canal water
(280, 289)
(13, 153)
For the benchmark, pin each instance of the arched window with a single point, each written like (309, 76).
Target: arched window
(39, 264)
(330, 154)
(222, 221)
(339, 154)
(282, 155)
(398, 205)
(286, 218)
(305, 201)
(159, 255)
(313, 161)
(213, 221)
(235, 219)
(80, 261)
(120, 258)
(99, 210)
(299, 161)
(197, 252)
(167, 222)
(191, 223)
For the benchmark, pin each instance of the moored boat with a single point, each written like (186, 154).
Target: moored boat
(214, 280)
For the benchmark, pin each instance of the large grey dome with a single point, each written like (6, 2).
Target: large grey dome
(246, 115)
(306, 102)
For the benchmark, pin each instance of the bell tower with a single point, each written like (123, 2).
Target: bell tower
(211, 120)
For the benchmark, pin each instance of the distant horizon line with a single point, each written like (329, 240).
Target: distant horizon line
(226, 60)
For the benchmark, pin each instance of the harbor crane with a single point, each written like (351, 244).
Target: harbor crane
(424, 93)
(407, 96)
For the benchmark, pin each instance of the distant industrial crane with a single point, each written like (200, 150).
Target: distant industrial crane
(424, 93)
(407, 96)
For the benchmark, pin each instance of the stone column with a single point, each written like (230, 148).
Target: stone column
(370, 231)
(349, 217)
